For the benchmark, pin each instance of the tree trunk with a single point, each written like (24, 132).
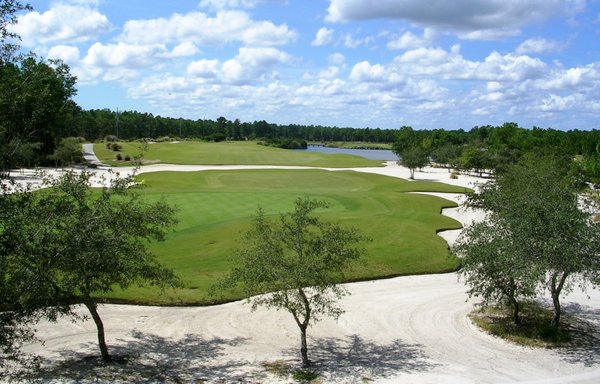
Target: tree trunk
(412, 174)
(91, 306)
(516, 317)
(555, 290)
(304, 348)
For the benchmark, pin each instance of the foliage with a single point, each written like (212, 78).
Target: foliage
(296, 264)
(541, 229)
(68, 152)
(495, 268)
(8, 17)
(285, 143)
(35, 108)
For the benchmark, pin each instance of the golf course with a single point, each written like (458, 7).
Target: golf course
(215, 207)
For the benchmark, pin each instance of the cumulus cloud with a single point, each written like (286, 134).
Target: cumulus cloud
(481, 19)
(409, 40)
(63, 22)
(324, 37)
(539, 46)
(225, 27)
(66, 53)
(250, 65)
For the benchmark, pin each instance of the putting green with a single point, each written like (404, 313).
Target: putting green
(229, 153)
(216, 207)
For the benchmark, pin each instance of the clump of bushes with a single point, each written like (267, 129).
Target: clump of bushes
(285, 143)
(119, 157)
(110, 138)
(113, 146)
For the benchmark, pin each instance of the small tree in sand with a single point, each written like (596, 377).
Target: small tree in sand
(298, 259)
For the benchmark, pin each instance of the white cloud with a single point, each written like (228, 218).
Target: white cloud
(62, 23)
(351, 42)
(473, 19)
(324, 37)
(197, 27)
(130, 56)
(231, 4)
(250, 65)
(184, 49)
(66, 53)
(539, 46)
(365, 72)
(336, 59)
(555, 103)
(204, 68)
(407, 40)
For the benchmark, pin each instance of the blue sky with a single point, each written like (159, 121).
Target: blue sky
(348, 63)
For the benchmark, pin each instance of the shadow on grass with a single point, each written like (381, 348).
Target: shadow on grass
(583, 324)
(149, 358)
(353, 357)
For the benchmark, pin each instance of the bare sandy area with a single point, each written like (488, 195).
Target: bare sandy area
(404, 330)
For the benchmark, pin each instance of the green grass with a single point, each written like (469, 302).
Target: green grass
(216, 207)
(229, 153)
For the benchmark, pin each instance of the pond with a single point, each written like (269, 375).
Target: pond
(372, 154)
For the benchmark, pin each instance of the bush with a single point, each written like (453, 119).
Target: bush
(454, 175)
(127, 158)
(110, 138)
(119, 157)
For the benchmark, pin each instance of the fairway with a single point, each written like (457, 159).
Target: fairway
(216, 207)
(229, 153)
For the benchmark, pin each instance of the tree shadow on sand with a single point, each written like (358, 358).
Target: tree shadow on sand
(148, 358)
(584, 327)
(353, 357)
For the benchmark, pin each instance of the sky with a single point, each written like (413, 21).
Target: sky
(346, 63)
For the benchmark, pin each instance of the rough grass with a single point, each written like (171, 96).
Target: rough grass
(216, 207)
(535, 329)
(229, 153)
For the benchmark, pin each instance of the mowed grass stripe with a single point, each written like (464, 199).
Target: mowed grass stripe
(229, 153)
(216, 207)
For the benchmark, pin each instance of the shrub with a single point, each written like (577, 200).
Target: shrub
(119, 157)
(454, 175)
(127, 158)
(110, 138)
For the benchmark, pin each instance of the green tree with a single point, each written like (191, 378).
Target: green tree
(73, 243)
(299, 260)
(413, 158)
(68, 152)
(496, 269)
(35, 98)
(542, 218)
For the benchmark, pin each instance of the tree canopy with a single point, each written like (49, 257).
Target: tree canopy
(539, 235)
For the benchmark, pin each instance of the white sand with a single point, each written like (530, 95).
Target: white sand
(410, 329)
